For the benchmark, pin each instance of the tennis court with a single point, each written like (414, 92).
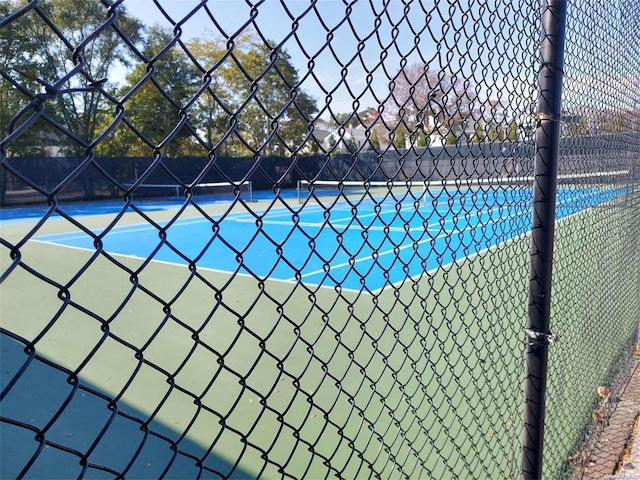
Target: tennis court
(172, 306)
(367, 243)
(234, 366)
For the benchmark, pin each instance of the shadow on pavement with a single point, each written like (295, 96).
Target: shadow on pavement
(49, 429)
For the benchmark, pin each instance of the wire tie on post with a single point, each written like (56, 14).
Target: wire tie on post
(542, 117)
(537, 338)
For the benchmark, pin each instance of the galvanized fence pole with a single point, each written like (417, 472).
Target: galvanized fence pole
(544, 204)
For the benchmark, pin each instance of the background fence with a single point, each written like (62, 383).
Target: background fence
(468, 161)
(370, 324)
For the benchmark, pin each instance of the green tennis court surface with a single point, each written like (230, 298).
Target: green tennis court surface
(238, 377)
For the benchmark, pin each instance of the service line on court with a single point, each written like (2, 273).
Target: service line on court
(420, 242)
(437, 226)
(494, 246)
(468, 227)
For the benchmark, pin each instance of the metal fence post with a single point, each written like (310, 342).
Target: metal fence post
(542, 235)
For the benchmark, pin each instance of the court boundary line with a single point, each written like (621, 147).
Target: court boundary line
(290, 281)
(488, 249)
(478, 213)
(420, 242)
(164, 262)
(143, 226)
(293, 281)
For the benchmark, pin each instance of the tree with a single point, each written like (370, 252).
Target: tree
(493, 133)
(576, 129)
(347, 120)
(422, 140)
(81, 102)
(363, 118)
(239, 104)
(16, 54)
(374, 141)
(400, 139)
(351, 145)
(480, 135)
(421, 98)
(451, 138)
(367, 117)
(502, 133)
(208, 108)
(512, 132)
(332, 142)
(615, 123)
(153, 110)
(272, 111)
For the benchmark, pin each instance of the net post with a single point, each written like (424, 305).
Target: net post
(425, 190)
(634, 178)
(250, 191)
(547, 145)
(298, 189)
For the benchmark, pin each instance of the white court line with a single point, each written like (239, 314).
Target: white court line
(333, 287)
(174, 264)
(244, 217)
(187, 221)
(413, 244)
(444, 234)
(335, 222)
(274, 212)
(140, 227)
(487, 249)
(117, 230)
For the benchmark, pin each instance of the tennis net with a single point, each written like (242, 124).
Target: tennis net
(216, 190)
(421, 191)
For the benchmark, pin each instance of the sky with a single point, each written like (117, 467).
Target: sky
(354, 48)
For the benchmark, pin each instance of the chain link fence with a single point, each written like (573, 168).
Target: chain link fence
(292, 239)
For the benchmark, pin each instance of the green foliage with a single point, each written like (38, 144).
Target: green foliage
(206, 112)
(512, 132)
(272, 121)
(268, 120)
(15, 52)
(576, 129)
(351, 145)
(616, 124)
(374, 140)
(502, 134)
(343, 120)
(149, 110)
(422, 139)
(400, 140)
(493, 134)
(353, 120)
(451, 138)
(178, 104)
(331, 142)
(33, 48)
(480, 132)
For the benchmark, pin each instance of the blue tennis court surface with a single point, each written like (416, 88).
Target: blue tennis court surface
(369, 246)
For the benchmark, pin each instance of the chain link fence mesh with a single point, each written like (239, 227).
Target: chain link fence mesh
(302, 248)
(595, 299)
